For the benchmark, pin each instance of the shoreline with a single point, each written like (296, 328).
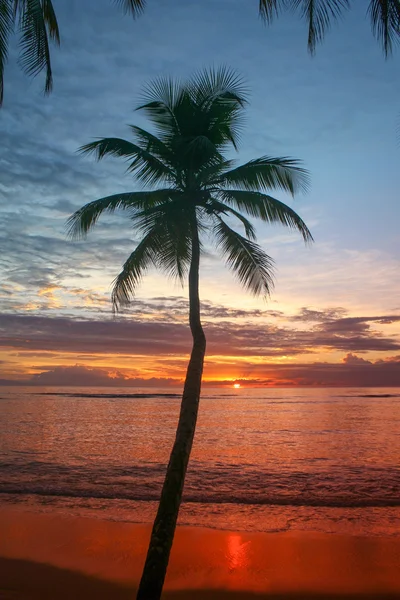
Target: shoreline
(77, 557)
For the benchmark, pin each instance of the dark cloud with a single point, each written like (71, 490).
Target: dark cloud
(79, 375)
(307, 314)
(158, 337)
(353, 371)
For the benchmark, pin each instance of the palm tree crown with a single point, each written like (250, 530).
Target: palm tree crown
(199, 188)
(37, 23)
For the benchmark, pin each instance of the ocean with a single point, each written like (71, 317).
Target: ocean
(324, 460)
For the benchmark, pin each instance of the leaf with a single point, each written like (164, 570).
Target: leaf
(253, 267)
(266, 208)
(267, 173)
(147, 167)
(269, 9)
(6, 27)
(385, 22)
(86, 217)
(134, 7)
(142, 257)
(319, 15)
(216, 207)
(37, 21)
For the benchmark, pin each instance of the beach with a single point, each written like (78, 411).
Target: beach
(289, 494)
(58, 556)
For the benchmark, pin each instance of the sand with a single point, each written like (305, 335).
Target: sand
(50, 556)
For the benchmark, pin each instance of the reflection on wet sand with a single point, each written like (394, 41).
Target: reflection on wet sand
(237, 554)
(59, 553)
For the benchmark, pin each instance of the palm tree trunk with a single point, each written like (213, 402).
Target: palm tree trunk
(155, 568)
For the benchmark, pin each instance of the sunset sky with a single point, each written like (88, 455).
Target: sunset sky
(334, 317)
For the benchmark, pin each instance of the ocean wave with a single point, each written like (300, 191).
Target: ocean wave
(124, 396)
(356, 486)
(208, 499)
(373, 396)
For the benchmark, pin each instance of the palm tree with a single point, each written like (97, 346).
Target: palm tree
(37, 24)
(191, 190)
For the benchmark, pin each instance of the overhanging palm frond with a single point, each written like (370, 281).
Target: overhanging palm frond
(6, 27)
(267, 173)
(385, 22)
(266, 208)
(269, 9)
(79, 224)
(144, 255)
(37, 21)
(253, 267)
(50, 19)
(319, 16)
(148, 168)
(134, 7)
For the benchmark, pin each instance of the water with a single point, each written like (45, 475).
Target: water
(263, 459)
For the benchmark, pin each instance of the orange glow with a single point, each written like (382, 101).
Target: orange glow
(236, 385)
(296, 564)
(237, 554)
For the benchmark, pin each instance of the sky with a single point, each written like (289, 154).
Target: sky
(334, 316)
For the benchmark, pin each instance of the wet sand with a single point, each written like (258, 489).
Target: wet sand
(46, 556)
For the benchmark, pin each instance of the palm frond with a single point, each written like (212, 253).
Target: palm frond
(207, 174)
(267, 173)
(160, 99)
(166, 245)
(6, 27)
(267, 208)
(385, 22)
(134, 7)
(223, 83)
(219, 95)
(84, 219)
(50, 19)
(214, 206)
(175, 254)
(319, 15)
(269, 9)
(37, 22)
(148, 168)
(151, 143)
(252, 266)
(144, 255)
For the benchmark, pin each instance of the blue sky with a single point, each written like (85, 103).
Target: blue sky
(337, 111)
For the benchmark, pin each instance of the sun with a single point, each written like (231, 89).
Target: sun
(236, 385)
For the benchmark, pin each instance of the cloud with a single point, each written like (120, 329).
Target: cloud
(80, 375)
(353, 371)
(352, 359)
(65, 285)
(153, 335)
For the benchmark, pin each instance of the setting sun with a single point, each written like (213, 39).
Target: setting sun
(236, 385)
